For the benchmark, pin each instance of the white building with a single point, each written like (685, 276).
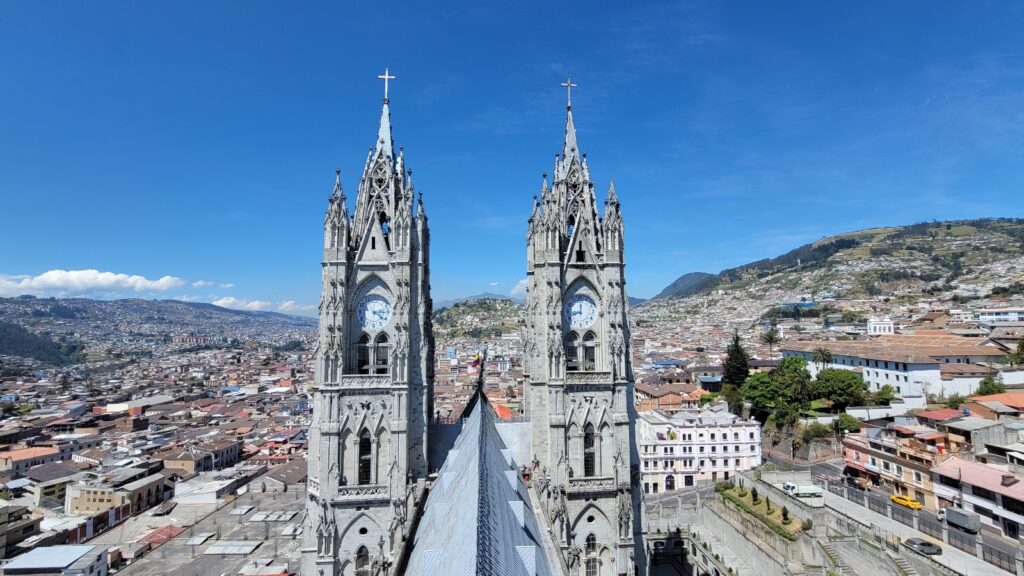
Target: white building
(915, 366)
(879, 326)
(1000, 315)
(694, 445)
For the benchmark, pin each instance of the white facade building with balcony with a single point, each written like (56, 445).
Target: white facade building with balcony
(694, 445)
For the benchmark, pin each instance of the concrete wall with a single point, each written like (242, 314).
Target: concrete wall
(751, 539)
(871, 412)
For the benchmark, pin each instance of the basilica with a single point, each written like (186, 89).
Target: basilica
(390, 492)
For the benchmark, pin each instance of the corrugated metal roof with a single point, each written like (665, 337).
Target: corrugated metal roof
(49, 557)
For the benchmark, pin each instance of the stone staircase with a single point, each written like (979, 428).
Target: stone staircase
(835, 559)
(902, 566)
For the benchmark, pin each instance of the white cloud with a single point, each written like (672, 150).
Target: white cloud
(293, 306)
(242, 304)
(493, 284)
(519, 290)
(82, 282)
(207, 283)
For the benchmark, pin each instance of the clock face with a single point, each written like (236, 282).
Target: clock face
(373, 312)
(580, 311)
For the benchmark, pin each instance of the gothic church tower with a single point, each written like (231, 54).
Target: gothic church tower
(374, 372)
(579, 380)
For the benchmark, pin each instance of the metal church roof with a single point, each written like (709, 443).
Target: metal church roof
(478, 518)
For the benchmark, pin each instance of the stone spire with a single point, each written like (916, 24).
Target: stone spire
(338, 191)
(384, 132)
(612, 198)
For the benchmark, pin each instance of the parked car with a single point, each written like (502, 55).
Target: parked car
(854, 483)
(906, 501)
(923, 546)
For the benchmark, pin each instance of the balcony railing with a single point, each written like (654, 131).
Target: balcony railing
(572, 378)
(591, 484)
(362, 493)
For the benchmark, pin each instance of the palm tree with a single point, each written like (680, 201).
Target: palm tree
(771, 338)
(821, 357)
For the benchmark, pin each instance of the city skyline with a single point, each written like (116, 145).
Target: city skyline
(163, 171)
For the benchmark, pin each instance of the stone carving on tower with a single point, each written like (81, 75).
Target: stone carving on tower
(578, 375)
(374, 372)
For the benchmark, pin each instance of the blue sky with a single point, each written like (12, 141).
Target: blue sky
(187, 149)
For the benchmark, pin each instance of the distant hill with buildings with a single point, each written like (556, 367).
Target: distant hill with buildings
(57, 330)
(478, 318)
(931, 256)
(483, 296)
(893, 271)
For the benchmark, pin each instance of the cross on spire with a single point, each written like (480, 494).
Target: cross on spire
(568, 85)
(385, 77)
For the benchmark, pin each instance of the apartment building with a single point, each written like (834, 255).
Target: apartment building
(17, 523)
(668, 398)
(142, 487)
(899, 457)
(692, 445)
(994, 493)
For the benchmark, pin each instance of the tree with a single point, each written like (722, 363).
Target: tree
(733, 398)
(770, 337)
(843, 387)
(885, 395)
(848, 423)
(1016, 357)
(990, 385)
(793, 381)
(816, 430)
(759, 390)
(737, 363)
(955, 400)
(821, 357)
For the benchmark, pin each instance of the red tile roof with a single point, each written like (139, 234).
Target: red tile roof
(940, 415)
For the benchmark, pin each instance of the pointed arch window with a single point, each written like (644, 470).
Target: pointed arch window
(589, 451)
(590, 550)
(381, 352)
(589, 352)
(572, 352)
(363, 349)
(365, 456)
(362, 561)
(570, 226)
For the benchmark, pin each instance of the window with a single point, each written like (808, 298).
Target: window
(363, 352)
(984, 493)
(365, 457)
(572, 352)
(670, 483)
(588, 451)
(381, 354)
(589, 352)
(362, 561)
(591, 552)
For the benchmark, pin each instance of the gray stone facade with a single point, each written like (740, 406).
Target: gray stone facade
(577, 372)
(374, 373)
(368, 445)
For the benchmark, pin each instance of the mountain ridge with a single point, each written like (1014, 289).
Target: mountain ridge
(878, 242)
